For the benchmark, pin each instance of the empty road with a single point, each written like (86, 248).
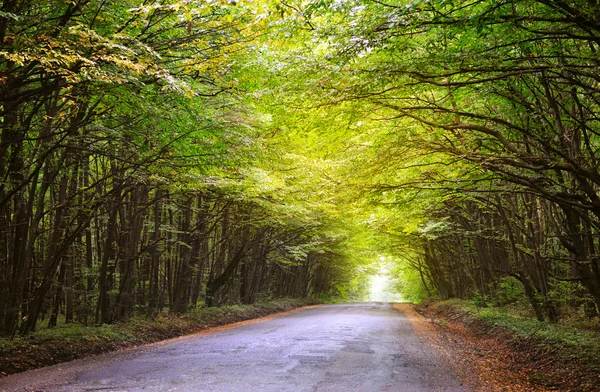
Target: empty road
(348, 347)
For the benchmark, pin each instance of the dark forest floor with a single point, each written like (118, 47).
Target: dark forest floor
(72, 341)
(492, 355)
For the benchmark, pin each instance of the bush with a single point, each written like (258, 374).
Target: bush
(509, 290)
(480, 300)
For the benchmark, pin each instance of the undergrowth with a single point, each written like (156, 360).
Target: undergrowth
(567, 341)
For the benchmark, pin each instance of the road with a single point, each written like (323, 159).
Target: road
(348, 347)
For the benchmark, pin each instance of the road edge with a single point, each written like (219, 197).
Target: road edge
(37, 352)
(225, 327)
(438, 341)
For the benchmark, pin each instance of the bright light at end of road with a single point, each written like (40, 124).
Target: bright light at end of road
(382, 288)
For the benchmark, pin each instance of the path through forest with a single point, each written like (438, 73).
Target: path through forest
(349, 347)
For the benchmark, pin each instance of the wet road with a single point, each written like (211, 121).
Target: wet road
(348, 347)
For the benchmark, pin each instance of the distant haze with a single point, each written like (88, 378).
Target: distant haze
(382, 289)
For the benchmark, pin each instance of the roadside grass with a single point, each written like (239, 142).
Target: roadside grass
(66, 342)
(568, 341)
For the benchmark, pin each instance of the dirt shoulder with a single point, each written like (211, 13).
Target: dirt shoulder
(492, 358)
(68, 342)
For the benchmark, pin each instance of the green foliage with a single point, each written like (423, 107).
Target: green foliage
(409, 283)
(480, 300)
(457, 139)
(505, 292)
(564, 292)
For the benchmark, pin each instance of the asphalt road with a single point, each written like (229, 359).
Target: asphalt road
(349, 347)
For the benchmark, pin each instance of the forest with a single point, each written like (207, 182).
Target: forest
(166, 155)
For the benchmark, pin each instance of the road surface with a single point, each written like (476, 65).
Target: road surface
(348, 347)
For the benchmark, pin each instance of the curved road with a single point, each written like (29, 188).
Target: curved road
(349, 347)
